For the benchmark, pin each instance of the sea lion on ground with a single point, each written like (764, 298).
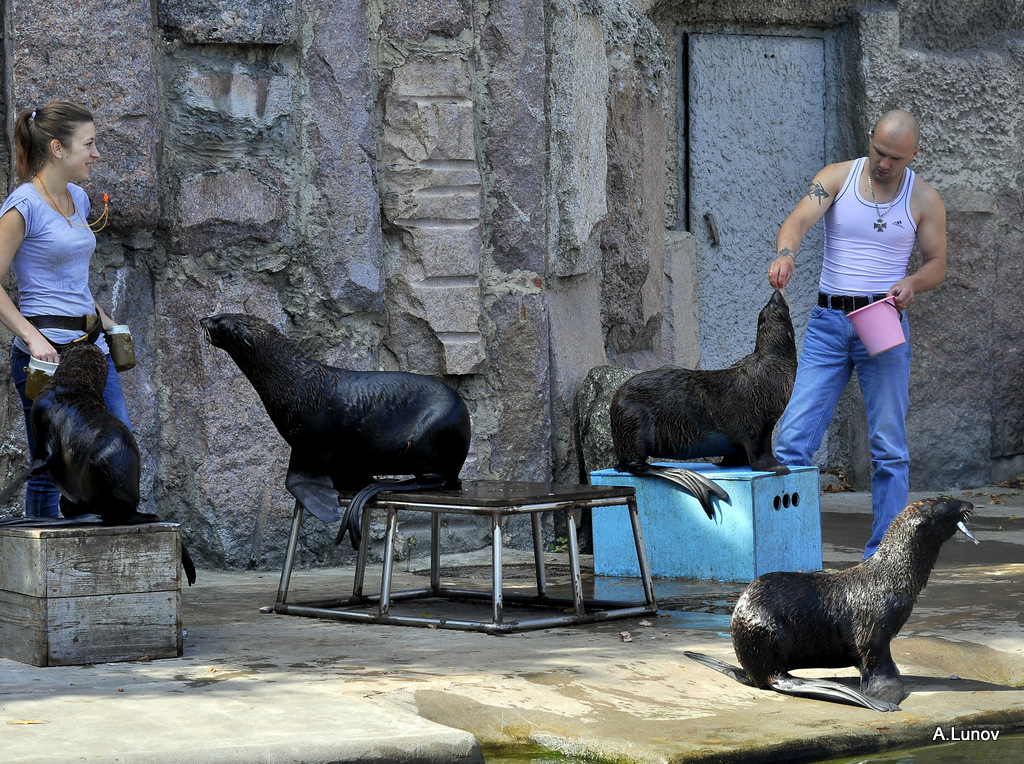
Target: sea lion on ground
(347, 427)
(676, 413)
(90, 455)
(785, 621)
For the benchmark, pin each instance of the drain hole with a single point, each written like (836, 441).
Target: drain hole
(785, 500)
(796, 499)
(777, 503)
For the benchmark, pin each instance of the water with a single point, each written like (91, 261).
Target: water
(533, 757)
(1003, 750)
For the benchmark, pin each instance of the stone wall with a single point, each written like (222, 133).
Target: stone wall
(486, 192)
(957, 67)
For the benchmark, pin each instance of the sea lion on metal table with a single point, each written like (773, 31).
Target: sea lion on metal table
(785, 621)
(676, 413)
(347, 427)
(90, 455)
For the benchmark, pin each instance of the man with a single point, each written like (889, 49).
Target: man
(875, 209)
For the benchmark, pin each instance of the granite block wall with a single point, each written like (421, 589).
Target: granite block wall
(488, 193)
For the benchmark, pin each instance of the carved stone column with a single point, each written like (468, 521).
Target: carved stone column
(431, 187)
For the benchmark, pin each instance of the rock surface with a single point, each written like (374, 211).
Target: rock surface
(496, 194)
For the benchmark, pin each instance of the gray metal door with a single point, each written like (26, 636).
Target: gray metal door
(756, 137)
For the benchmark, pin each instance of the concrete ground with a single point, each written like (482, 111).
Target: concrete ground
(254, 687)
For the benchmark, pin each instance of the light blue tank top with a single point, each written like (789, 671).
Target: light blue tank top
(860, 259)
(52, 263)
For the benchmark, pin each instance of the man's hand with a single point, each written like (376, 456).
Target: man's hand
(903, 291)
(781, 270)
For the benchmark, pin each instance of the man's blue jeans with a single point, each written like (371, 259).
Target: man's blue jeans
(831, 351)
(42, 499)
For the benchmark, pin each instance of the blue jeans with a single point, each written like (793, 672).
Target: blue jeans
(42, 499)
(831, 351)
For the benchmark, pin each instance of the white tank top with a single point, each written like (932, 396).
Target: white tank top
(860, 259)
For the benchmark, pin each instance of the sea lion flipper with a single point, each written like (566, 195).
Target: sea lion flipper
(188, 566)
(824, 689)
(733, 672)
(352, 521)
(38, 466)
(694, 483)
(352, 518)
(316, 493)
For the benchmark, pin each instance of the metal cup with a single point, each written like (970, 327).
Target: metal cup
(122, 348)
(39, 373)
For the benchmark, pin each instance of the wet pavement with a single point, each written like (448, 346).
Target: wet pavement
(254, 687)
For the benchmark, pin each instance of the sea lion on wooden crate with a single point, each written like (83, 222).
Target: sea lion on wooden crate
(90, 455)
(347, 427)
(676, 413)
(785, 621)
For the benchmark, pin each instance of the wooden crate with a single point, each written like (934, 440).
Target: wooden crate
(90, 594)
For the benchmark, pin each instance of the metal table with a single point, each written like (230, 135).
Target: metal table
(497, 500)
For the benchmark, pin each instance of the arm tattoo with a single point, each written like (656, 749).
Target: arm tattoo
(786, 252)
(817, 191)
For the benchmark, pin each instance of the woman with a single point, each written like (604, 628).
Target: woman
(46, 239)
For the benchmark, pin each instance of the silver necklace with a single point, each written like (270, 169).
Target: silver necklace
(880, 224)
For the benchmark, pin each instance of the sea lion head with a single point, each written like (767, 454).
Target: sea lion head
(911, 544)
(940, 518)
(82, 369)
(238, 331)
(776, 310)
(775, 329)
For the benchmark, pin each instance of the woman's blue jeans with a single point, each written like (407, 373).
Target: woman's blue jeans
(42, 499)
(831, 351)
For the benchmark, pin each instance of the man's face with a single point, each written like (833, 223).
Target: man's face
(890, 154)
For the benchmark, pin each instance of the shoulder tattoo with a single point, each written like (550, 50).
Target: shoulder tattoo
(817, 191)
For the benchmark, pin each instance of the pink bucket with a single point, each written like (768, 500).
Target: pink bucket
(878, 325)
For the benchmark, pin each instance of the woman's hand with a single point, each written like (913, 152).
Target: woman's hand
(105, 320)
(41, 349)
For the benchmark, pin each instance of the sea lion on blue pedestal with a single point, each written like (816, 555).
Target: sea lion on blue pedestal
(785, 621)
(90, 455)
(676, 413)
(347, 427)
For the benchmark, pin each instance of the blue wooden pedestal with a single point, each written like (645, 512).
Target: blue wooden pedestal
(770, 523)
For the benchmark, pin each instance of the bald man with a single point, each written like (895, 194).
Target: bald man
(875, 209)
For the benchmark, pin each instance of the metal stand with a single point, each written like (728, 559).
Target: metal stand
(497, 500)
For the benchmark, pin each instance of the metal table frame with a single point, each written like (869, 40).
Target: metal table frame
(498, 500)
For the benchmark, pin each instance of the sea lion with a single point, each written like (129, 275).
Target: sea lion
(785, 621)
(676, 413)
(89, 454)
(347, 427)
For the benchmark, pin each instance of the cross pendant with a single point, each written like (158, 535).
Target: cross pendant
(879, 225)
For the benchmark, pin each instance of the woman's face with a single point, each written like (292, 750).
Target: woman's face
(80, 152)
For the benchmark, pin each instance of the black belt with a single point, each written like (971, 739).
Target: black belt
(71, 323)
(847, 302)
(90, 326)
